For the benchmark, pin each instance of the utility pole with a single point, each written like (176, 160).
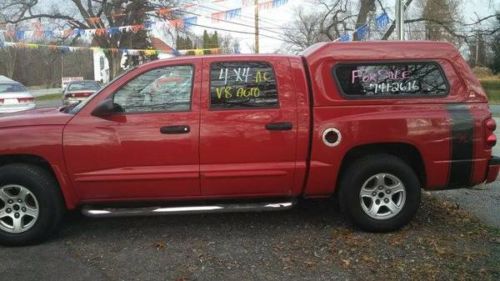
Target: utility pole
(256, 26)
(400, 9)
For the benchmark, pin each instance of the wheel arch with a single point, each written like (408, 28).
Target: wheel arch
(405, 151)
(53, 169)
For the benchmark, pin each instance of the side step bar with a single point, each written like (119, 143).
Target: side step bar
(96, 212)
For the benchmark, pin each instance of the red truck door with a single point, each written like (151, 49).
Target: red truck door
(151, 150)
(248, 129)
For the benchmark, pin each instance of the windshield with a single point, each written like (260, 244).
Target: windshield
(12, 88)
(78, 106)
(84, 85)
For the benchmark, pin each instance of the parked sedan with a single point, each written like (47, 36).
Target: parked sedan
(79, 91)
(14, 96)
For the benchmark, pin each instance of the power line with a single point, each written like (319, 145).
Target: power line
(232, 22)
(236, 31)
(248, 17)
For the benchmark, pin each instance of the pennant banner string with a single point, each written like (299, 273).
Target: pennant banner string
(147, 52)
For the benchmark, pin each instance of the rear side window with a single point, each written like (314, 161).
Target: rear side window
(401, 79)
(12, 88)
(242, 85)
(85, 85)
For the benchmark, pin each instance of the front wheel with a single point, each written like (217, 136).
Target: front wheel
(379, 193)
(31, 205)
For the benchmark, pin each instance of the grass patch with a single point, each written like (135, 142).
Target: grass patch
(48, 97)
(492, 88)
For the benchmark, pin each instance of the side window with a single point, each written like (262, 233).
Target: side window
(371, 80)
(242, 85)
(158, 90)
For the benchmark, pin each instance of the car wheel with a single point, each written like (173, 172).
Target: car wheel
(379, 193)
(31, 206)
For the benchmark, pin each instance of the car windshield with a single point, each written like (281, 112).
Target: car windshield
(84, 85)
(11, 88)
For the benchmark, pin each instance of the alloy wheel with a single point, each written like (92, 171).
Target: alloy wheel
(19, 209)
(382, 196)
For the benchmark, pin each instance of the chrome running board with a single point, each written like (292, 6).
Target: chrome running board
(96, 212)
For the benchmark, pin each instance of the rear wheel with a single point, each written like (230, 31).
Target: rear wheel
(31, 205)
(379, 193)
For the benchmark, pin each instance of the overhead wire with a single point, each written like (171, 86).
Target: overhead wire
(237, 31)
(250, 18)
(233, 22)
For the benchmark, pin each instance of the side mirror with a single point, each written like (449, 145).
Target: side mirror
(106, 108)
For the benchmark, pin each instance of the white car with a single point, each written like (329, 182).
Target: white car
(14, 96)
(77, 91)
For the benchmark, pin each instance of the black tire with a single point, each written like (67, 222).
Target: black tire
(47, 193)
(366, 168)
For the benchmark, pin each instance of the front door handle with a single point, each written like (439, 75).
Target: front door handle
(177, 129)
(279, 126)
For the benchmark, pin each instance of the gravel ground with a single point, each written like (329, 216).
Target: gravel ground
(311, 242)
(483, 201)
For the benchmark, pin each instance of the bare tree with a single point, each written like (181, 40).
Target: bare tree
(94, 14)
(452, 24)
(8, 58)
(303, 32)
(445, 11)
(336, 18)
(328, 23)
(228, 44)
(366, 7)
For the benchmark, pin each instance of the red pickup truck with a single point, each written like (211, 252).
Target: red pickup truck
(371, 123)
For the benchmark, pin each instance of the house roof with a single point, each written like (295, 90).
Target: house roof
(160, 45)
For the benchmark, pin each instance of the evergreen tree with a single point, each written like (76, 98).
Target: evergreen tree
(189, 43)
(179, 42)
(215, 40)
(206, 40)
(183, 43)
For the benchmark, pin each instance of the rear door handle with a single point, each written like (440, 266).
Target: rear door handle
(279, 126)
(177, 129)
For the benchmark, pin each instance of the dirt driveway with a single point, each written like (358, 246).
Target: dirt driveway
(312, 242)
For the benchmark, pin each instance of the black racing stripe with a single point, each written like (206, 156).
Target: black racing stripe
(462, 132)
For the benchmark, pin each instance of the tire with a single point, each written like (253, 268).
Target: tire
(370, 196)
(39, 209)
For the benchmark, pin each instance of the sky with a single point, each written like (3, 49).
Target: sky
(481, 7)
